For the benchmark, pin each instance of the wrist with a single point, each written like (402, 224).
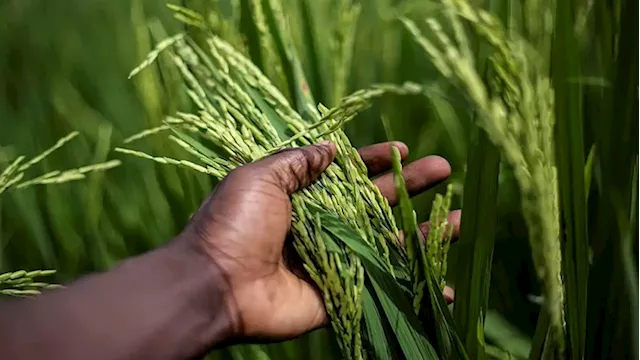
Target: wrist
(206, 293)
(170, 303)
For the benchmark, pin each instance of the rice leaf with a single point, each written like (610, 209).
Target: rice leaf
(310, 44)
(540, 336)
(278, 123)
(504, 334)
(249, 28)
(399, 313)
(299, 91)
(275, 21)
(378, 334)
(348, 236)
(384, 288)
(570, 165)
(437, 317)
(613, 334)
(588, 172)
(449, 344)
(475, 246)
(413, 238)
(347, 13)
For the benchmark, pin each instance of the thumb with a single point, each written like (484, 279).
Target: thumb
(293, 169)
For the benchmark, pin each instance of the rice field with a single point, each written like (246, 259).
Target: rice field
(534, 104)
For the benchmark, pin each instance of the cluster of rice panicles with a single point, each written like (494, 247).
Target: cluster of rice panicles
(235, 125)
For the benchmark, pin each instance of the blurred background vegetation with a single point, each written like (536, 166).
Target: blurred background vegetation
(64, 66)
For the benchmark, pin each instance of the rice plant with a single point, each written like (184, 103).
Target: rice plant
(21, 282)
(534, 104)
(343, 227)
(517, 110)
(519, 119)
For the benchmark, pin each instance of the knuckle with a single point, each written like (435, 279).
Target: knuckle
(292, 170)
(242, 178)
(299, 162)
(244, 172)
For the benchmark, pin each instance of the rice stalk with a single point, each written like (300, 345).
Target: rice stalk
(271, 62)
(519, 120)
(224, 19)
(12, 176)
(341, 46)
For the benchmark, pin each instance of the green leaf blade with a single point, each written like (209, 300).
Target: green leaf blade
(477, 237)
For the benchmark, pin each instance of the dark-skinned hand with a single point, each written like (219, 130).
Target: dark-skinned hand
(243, 225)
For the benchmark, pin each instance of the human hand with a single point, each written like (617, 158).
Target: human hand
(243, 224)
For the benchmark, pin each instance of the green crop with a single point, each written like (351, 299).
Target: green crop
(534, 103)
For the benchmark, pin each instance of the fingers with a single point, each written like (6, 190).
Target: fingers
(378, 158)
(418, 176)
(448, 294)
(453, 219)
(293, 169)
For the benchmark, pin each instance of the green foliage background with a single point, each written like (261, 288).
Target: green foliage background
(64, 66)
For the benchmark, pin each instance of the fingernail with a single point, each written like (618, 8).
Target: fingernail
(324, 143)
(400, 146)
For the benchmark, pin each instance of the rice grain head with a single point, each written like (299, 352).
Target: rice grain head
(519, 119)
